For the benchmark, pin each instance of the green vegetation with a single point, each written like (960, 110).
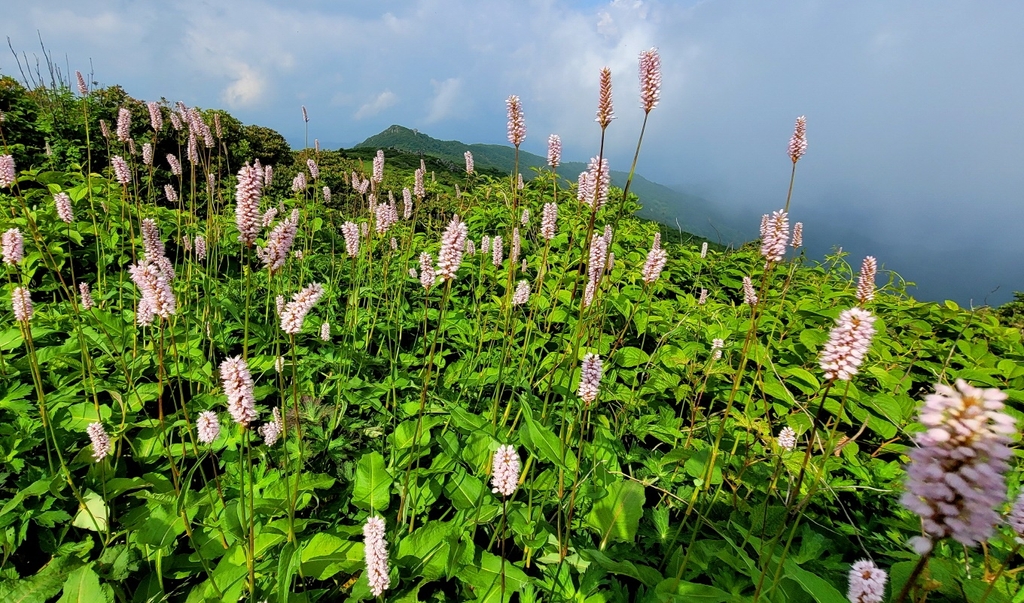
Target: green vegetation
(667, 482)
(660, 203)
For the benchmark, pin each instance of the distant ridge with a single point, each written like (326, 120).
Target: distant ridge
(660, 203)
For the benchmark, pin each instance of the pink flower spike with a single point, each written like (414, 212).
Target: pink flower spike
(749, 297)
(100, 441)
(238, 387)
(7, 172)
(86, 295)
(82, 88)
(549, 219)
(798, 143)
(295, 311)
(956, 480)
(590, 378)
(656, 260)
(427, 275)
(775, 237)
(516, 122)
(174, 163)
(247, 205)
(505, 471)
(554, 151)
(12, 244)
(453, 244)
(156, 118)
(798, 235)
(866, 282)
(650, 79)
(867, 583)
(522, 293)
(605, 114)
(208, 426)
(121, 171)
(848, 344)
(21, 304)
(375, 549)
(124, 124)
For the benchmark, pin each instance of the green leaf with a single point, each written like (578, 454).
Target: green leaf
(644, 574)
(426, 550)
(83, 586)
(630, 357)
(688, 592)
(543, 442)
(93, 516)
(327, 554)
(617, 515)
(372, 483)
(43, 585)
(485, 574)
(161, 528)
(819, 589)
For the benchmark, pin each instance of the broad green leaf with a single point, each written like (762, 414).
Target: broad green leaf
(681, 591)
(644, 574)
(542, 442)
(83, 586)
(93, 516)
(43, 585)
(630, 357)
(425, 551)
(326, 554)
(816, 586)
(160, 528)
(372, 483)
(485, 575)
(617, 515)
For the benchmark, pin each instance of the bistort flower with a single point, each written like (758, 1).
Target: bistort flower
(522, 293)
(238, 387)
(208, 426)
(786, 439)
(100, 441)
(375, 549)
(295, 311)
(847, 344)
(505, 471)
(516, 122)
(605, 114)
(867, 583)
(12, 246)
(21, 304)
(798, 142)
(272, 430)
(554, 150)
(650, 79)
(656, 260)
(866, 282)
(453, 244)
(956, 477)
(590, 378)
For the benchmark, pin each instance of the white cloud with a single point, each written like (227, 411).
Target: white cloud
(377, 104)
(247, 88)
(446, 95)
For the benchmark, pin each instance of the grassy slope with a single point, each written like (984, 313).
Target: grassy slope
(660, 203)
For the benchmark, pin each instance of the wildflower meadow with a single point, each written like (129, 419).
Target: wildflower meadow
(231, 370)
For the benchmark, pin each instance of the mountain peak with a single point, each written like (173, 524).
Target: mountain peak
(660, 203)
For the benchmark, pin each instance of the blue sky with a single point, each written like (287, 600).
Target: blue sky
(914, 109)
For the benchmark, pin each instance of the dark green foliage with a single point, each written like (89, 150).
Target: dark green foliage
(670, 486)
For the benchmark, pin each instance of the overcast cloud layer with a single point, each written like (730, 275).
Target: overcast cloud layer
(915, 112)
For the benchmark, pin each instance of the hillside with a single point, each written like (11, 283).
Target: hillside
(660, 203)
